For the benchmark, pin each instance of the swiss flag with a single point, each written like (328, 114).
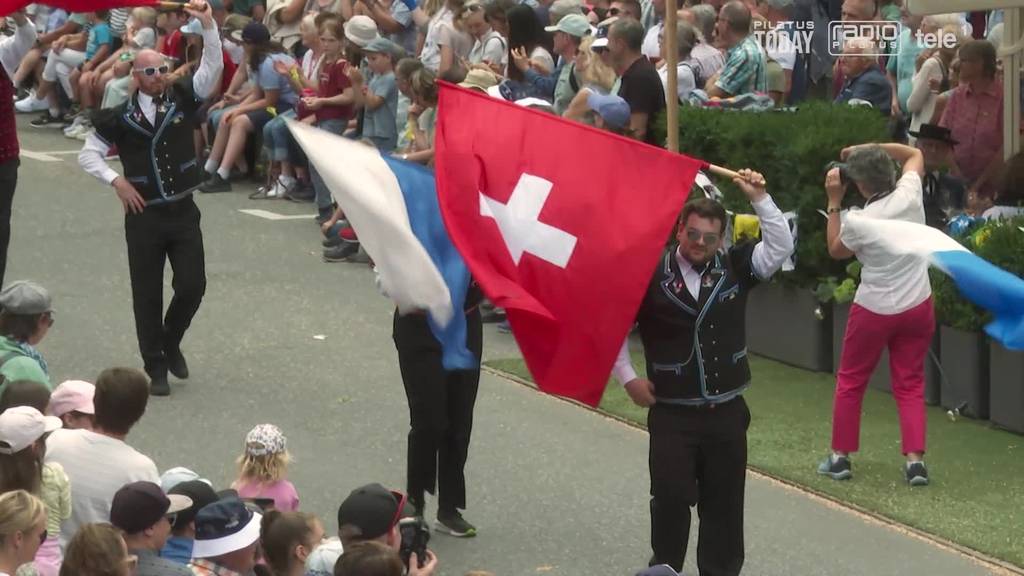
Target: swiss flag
(561, 224)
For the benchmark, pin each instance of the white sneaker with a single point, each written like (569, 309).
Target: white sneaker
(277, 190)
(78, 132)
(84, 133)
(31, 104)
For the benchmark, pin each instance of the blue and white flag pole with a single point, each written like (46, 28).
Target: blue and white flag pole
(979, 281)
(392, 206)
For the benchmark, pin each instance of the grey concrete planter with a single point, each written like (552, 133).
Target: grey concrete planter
(782, 325)
(1006, 385)
(966, 367)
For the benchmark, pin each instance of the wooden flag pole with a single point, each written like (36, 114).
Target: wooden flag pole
(671, 60)
(720, 171)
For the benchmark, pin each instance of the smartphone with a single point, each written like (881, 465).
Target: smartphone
(415, 536)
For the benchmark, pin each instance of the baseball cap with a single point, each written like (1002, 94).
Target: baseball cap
(479, 80)
(374, 510)
(384, 46)
(573, 25)
(21, 426)
(223, 527)
(265, 439)
(235, 22)
(72, 396)
(193, 26)
(611, 108)
(199, 492)
(361, 30)
(140, 505)
(174, 476)
(25, 297)
(601, 36)
(255, 33)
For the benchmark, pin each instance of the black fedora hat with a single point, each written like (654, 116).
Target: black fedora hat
(934, 132)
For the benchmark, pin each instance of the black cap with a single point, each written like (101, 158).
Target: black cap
(933, 132)
(373, 509)
(255, 33)
(200, 493)
(140, 505)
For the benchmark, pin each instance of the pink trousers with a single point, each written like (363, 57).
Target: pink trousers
(908, 336)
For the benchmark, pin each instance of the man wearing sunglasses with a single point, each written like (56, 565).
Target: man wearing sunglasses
(153, 133)
(144, 514)
(692, 325)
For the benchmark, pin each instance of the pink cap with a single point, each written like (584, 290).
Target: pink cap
(72, 396)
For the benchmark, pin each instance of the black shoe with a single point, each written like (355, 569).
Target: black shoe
(215, 184)
(158, 386)
(48, 121)
(917, 473)
(342, 252)
(452, 522)
(176, 364)
(300, 192)
(836, 467)
(332, 242)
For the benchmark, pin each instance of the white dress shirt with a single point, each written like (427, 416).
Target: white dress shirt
(91, 158)
(13, 48)
(774, 248)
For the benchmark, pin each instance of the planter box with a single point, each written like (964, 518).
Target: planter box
(782, 325)
(1006, 385)
(965, 364)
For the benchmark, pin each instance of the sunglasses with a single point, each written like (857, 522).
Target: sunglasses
(710, 238)
(153, 70)
(402, 500)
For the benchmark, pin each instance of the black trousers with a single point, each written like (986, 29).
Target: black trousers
(159, 234)
(698, 457)
(8, 182)
(440, 409)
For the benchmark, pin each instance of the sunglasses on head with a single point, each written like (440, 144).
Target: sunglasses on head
(710, 238)
(153, 70)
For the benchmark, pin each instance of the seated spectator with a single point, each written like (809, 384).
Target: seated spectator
(489, 48)
(686, 39)
(706, 60)
(526, 35)
(171, 43)
(72, 402)
(287, 539)
(744, 70)
(26, 315)
(944, 191)
(98, 550)
(183, 528)
(177, 475)
(1009, 198)
(606, 112)
(324, 557)
(22, 529)
(58, 24)
(263, 468)
(974, 116)
(25, 393)
(371, 513)
(142, 512)
(864, 79)
(640, 87)
(227, 539)
(560, 85)
(422, 117)
(381, 98)
(380, 560)
(237, 123)
(98, 461)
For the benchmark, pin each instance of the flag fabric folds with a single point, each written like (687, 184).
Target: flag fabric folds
(981, 282)
(392, 206)
(561, 224)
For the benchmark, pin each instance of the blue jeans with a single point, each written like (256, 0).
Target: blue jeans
(323, 195)
(276, 137)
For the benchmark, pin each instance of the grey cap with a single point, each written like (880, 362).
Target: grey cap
(384, 46)
(25, 297)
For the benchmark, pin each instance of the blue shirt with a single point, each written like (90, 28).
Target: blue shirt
(380, 124)
(177, 549)
(268, 79)
(871, 85)
(98, 36)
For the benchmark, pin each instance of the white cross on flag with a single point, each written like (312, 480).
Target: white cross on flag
(561, 224)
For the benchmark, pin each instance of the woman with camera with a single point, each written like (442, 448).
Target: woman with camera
(893, 305)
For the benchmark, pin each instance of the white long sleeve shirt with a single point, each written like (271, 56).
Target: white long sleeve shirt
(768, 256)
(203, 83)
(13, 48)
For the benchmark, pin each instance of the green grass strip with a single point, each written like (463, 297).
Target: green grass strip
(976, 496)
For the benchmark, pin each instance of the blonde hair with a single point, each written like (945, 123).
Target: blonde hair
(265, 469)
(95, 550)
(145, 16)
(19, 512)
(597, 73)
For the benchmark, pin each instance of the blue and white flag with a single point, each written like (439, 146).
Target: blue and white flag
(392, 206)
(981, 282)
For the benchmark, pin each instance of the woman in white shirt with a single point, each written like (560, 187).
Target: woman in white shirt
(892, 308)
(22, 529)
(489, 48)
(686, 39)
(440, 15)
(453, 41)
(932, 78)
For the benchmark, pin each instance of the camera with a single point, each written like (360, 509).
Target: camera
(844, 174)
(415, 534)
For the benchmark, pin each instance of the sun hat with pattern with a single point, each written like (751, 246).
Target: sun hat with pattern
(265, 439)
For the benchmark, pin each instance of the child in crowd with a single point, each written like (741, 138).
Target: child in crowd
(381, 95)
(71, 401)
(23, 431)
(287, 540)
(98, 47)
(263, 467)
(25, 393)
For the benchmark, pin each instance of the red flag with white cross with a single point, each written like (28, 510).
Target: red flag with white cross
(560, 223)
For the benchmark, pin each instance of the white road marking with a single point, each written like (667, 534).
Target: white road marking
(65, 152)
(40, 156)
(266, 214)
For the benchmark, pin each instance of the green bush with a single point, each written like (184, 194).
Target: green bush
(791, 149)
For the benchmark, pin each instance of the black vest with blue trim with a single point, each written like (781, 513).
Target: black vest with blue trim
(696, 349)
(159, 161)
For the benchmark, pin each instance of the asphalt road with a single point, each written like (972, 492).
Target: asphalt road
(553, 488)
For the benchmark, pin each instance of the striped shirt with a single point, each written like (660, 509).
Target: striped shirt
(117, 19)
(744, 70)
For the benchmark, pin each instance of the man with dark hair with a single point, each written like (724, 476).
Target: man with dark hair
(372, 513)
(630, 9)
(98, 461)
(745, 64)
(692, 325)
(641, 86)
(144, 513)
(183, 529)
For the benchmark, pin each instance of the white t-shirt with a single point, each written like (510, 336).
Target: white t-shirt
(491, 48)
(891, 284)
(651, 46)
(686, 80)
(781, 49)
(431, 54)
(98, 466)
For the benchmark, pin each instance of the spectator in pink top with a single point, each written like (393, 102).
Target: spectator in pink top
(263, 467)
(974, 115)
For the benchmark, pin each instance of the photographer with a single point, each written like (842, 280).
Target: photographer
(376, 559)
(374, 514)
(892, 308)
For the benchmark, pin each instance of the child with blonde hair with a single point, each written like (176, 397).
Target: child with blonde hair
(263, 467)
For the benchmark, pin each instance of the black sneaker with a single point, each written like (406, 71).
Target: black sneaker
(215, 184)
(48, 121)
(332, 242)
(917, 473)
(176, 364)
(454, 524)
(836, 467)
(341, 252)
(158, 385)
(493, 316)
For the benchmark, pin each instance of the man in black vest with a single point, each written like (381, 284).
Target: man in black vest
(153, 134)
(692, 327)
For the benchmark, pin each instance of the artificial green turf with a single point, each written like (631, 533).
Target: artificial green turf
(977, 472)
